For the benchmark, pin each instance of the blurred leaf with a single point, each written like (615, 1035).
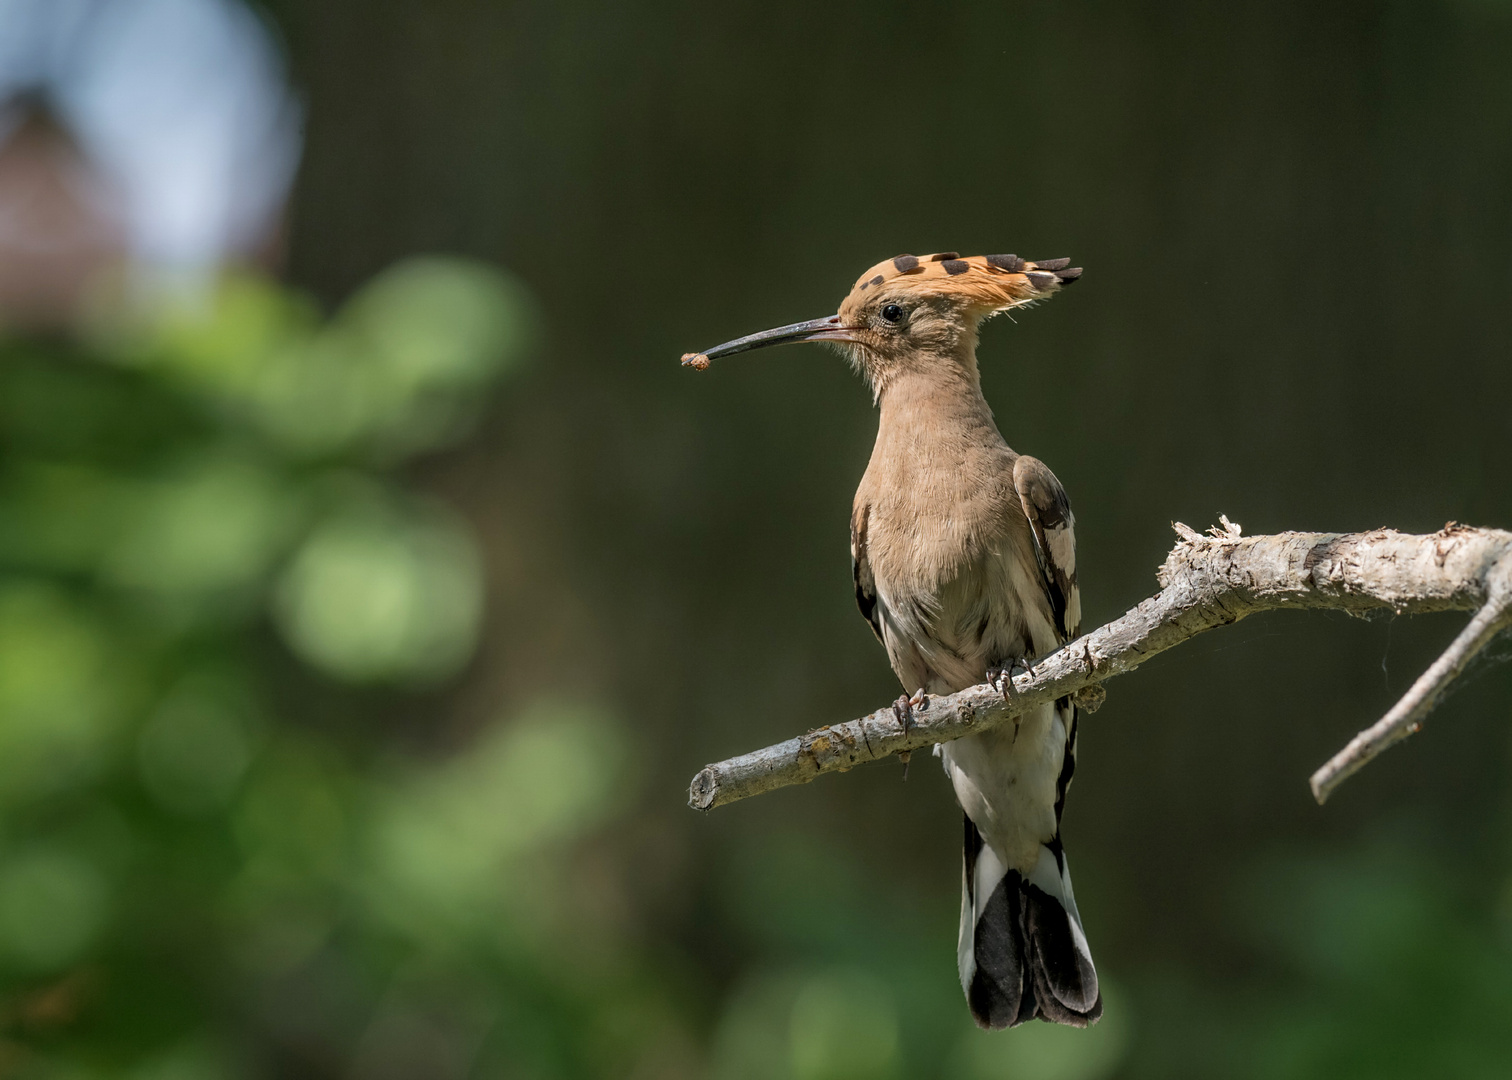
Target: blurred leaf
(62, 517)
(398, 370)
(447, 844)
(292, 816)
(60, 689)
(210, 526)
(401, 366)
(381, 591)
(58, 406)
(193, 1060)
(217, 344)
(440, 322)
(196, 746)
(52, 905)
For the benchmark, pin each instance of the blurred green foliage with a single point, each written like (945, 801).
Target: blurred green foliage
(184, 499)
(1371, 964)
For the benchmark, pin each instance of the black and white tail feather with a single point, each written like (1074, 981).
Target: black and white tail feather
(1022, 951)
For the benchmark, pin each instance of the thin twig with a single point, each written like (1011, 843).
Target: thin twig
(1206, 581)
(1406, 716)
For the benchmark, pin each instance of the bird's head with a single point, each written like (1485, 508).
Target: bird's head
(916, 312)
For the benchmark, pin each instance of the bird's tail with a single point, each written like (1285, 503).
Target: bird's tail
(1022, 951)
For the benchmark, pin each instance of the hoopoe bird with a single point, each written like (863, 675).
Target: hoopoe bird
(964, 559)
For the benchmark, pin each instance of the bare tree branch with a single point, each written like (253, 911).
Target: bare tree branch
(1206, 581)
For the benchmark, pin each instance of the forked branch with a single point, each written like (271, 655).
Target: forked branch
(1206, 582)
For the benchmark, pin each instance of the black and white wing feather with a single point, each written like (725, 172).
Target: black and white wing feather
(866, 585)
(1054, 529)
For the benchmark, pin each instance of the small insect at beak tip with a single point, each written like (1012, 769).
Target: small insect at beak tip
(696, 361)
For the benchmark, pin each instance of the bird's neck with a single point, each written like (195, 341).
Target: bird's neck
(934, 488)
(937, 401)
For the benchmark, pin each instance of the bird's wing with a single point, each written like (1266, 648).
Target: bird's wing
(1054, 529)
(866, 585)
(1053, 526)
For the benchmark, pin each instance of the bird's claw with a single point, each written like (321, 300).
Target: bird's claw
(903, 709)
(1000, 676)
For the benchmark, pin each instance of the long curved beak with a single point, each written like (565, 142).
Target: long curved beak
(827, 329)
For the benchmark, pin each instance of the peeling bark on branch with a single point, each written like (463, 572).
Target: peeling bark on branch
(1206, 581)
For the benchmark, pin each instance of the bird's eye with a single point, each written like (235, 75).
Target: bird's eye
(892, 312)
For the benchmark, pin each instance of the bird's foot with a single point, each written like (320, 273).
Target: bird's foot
(1000, 677)
(903, 709)
(903, 712)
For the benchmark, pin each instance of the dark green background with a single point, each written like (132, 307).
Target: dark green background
(1296, 224)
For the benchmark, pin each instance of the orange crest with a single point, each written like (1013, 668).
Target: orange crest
(984, 283)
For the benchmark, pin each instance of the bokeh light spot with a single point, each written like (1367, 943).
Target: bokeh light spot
(382, 593)
(195, 747)
(52, 904)
(451, 842)
(57, 697)
(212, 526)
